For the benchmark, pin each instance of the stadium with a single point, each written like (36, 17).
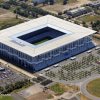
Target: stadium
(42, 42)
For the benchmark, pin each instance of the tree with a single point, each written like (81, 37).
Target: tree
(65, 2)
(84, 24)
(24, 5)
(96, 25)
(51, 2)
(59, 13)
(1, 89)
(6, 5)
(35, 3)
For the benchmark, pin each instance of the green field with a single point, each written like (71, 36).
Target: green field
(58, 89)
(6, 98)
(89, 18)
(94, 87)
(41, 41)
(9, 22)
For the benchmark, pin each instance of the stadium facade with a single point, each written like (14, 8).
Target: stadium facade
(42, 42)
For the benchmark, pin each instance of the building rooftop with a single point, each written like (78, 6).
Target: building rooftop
(72, 32)
(77, 10)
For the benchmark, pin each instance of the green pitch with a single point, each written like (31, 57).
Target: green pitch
(41, 41)
(94, 87)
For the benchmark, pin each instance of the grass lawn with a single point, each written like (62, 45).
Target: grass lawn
(6, 98)
(59, 89)
(94, 87)
(82, 97)
(9, 22)
(89, 18)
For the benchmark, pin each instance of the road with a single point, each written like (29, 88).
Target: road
(84, 90)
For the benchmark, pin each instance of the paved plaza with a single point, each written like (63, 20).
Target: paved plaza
(74, 71)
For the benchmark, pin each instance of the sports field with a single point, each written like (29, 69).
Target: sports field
(6, 98)
(94, 87)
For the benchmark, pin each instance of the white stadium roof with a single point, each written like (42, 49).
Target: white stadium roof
(73, 33)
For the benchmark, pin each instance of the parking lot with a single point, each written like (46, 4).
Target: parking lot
(8, 76)
(74, 70)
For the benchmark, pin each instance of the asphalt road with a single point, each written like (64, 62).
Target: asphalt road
(84, 90)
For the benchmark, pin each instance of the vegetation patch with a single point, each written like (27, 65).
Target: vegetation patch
(59, 89)
(89, 18)
(50, 96)
(6, 98)
(9, 22)
(93, 87)
(20, 85)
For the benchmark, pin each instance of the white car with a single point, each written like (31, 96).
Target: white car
(72, 58)
(89, 51)
(47, 69)
(56, 65)
(97, 48)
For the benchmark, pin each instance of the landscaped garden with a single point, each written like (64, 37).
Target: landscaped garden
(93, 87)
(76, 70)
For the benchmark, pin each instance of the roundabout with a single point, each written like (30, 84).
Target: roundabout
(91, 88)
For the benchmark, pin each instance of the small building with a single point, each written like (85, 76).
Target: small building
(41, 1)
(38, 1)
(78, 11)
(95, 4)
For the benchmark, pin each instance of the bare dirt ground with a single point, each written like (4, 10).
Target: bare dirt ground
(35, 89)
(2, 11)
(38, 96)
(59, 7)
(97, 41)
(5, 15)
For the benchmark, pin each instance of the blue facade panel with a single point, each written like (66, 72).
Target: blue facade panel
(33, 64)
